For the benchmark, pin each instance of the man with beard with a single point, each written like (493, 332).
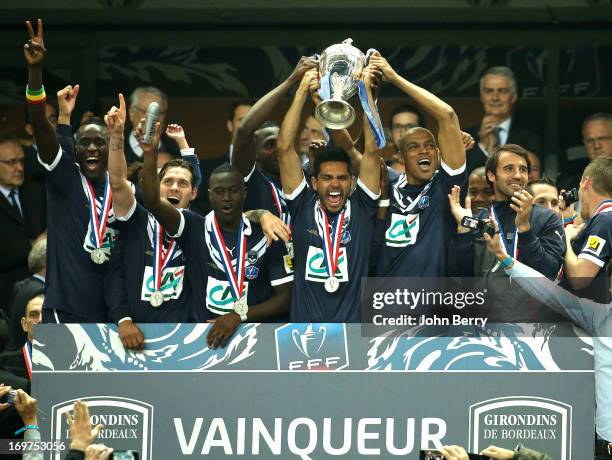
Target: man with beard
(80, 233)
(418, 222)
(332, 245)
(234, 276)
(531, 234)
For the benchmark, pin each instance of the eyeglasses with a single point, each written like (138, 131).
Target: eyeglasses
(140, 109)
(594, 140)
(402, 127)
(13, 162)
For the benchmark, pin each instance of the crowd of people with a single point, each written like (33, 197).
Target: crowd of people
(135, 229)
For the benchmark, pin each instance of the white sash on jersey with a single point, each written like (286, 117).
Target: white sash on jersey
(404, 203)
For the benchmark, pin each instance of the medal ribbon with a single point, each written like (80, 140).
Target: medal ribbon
(97, 221)
(331, 243)
(514, 243)
(279, 201)
(161, 257)
(235, 278)
(27, 355)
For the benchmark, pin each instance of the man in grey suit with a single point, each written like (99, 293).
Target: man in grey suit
(498, 95)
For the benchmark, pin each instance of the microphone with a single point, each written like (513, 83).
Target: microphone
(151, 118)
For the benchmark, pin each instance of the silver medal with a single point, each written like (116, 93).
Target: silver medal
(97, 256)
(157, 298)
(240, 307)
(332, 284)
(289, 246)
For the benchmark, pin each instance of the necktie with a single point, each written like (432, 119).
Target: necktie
(496, 132)
(13, 199)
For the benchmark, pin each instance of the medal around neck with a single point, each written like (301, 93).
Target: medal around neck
(97, 256)
(156, 299)
(241, 308)
(332, 284)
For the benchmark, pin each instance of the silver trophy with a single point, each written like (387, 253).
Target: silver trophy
(343, 63)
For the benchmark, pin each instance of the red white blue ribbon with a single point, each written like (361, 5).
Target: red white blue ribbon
(331, 242)
(97, 222)
(27, 356)
(161, 256)
(604, 206)
(234, 277)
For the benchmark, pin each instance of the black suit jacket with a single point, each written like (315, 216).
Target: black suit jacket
(517, 135)
(16, 233)
(23, 291)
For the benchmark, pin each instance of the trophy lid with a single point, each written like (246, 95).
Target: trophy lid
(346, 47)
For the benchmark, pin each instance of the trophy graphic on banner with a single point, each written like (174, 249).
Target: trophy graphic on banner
(340, 68)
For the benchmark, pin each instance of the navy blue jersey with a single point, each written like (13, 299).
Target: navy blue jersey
(593, 244)
(418, 226)
(260, 194)
(265, 266)
(136, 247)
(74, 284)
(311, 302)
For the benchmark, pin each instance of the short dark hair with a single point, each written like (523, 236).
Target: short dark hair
(178, 163)
(330, 154)
(226, 168)
(493, 160)
(406, 108)
(235, 105)
(542, 181)
(9, 139)
(268, 124)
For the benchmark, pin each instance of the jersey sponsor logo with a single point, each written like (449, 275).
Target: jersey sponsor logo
(219, 297)
(311, 346)
(251, 272)
(315, 266)
(108, 242)
(171, 283)
(594, 245)
(403, 230)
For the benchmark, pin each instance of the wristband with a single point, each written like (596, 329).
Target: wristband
(507, 262)
(27, 427)
(36, 96)
(384, 203)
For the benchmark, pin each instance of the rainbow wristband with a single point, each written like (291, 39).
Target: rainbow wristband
(36, 96)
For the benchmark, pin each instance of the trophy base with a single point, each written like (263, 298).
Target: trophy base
(335, 114)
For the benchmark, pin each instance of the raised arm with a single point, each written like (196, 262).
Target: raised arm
(177, 133)
(35, 52)
(370, 163)
(243, 156)
(123, 196)
(449, 134)
(66, 100)
(166, 214)
(289, 160)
